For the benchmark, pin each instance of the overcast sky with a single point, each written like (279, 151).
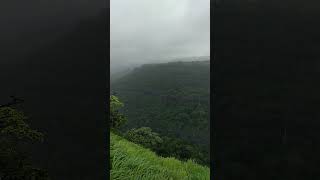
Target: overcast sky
(144, 31)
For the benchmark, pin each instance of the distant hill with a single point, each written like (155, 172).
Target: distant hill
(119, 74)
(118, 70)
(143, 164)
(171, 98)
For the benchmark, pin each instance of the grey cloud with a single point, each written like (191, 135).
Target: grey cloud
(146, 31)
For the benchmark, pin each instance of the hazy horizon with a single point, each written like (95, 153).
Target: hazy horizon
(146, 31)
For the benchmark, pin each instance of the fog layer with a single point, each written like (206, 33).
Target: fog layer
(147, 31)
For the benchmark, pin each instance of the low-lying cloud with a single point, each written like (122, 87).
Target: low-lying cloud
(146, 31)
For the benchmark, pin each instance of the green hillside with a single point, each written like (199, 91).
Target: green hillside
(130, 161)
(171, 98)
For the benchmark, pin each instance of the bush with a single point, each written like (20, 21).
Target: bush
(166, 146)
(145, 137)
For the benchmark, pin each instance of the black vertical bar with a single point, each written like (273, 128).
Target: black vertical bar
(212, 85)
(108, 89)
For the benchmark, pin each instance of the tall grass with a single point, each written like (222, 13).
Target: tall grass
(130, 161)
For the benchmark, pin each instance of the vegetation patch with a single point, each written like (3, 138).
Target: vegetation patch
(131, 161)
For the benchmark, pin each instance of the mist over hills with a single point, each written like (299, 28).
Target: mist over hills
(117, 69)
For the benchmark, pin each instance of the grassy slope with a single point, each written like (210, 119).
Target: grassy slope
(131, 161)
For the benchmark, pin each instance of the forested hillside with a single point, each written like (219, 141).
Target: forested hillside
(171, 98)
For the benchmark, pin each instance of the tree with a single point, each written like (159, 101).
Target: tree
(145, 137)
(15, 134)
(117, 119)
(175, 147)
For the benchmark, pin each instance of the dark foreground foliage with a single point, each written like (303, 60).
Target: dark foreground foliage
(15, 137)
